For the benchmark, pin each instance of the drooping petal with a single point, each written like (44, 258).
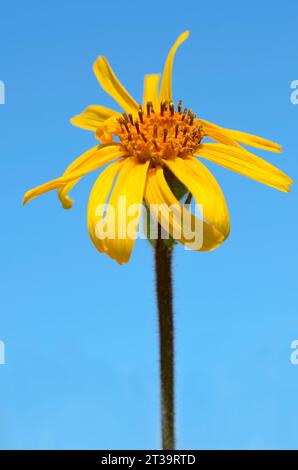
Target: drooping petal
(123, 211)
(243, 137)
(99, 197)
(63, 194)
(151, 91)
(112, 86)
(164, 206)
(206, 191)
(89, 161)
(108, 153)
(166, 83)
(92, 117)
(245, 163)
(198, 235)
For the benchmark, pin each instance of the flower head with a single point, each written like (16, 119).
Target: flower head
(142, 146)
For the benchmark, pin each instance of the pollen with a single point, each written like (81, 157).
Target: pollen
(157, 135)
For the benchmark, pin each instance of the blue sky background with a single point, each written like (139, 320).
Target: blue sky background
(80, 331)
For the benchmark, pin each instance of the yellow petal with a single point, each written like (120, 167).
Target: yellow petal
(243, 137)
(151, 91)
(99, 196)
(89, 161)
(166, 84)
(112, 86)
(104, 136)
(107, 154)
(253, 140)
(93, 116)
(124, 207)
(245, 163)
(207, 192)
(129, 187)
(63, 192)
(160, 198)
(217, 134)
(106, 130)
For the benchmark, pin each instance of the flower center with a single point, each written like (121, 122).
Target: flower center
(160, 135)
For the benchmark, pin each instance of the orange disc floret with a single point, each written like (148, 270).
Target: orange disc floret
(160, 135)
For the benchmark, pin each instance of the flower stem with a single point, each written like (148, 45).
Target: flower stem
(163, 266)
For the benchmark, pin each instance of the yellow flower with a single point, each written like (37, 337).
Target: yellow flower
(152, 140)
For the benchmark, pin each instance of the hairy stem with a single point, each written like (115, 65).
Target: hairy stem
(164, 291)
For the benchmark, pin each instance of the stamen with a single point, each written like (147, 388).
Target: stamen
(194, 135)
(120, 120)
(148, 108)
(176, 130)
(162, 108)
(165, 133)
(137, 126)
(126, 126)
(184, 114)
(130, 118)
(141, 114)
(151, 107)
(185, 141)
(179, 107)
(172, 108)
(155, 131)
(155, 144)
(144, 137)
